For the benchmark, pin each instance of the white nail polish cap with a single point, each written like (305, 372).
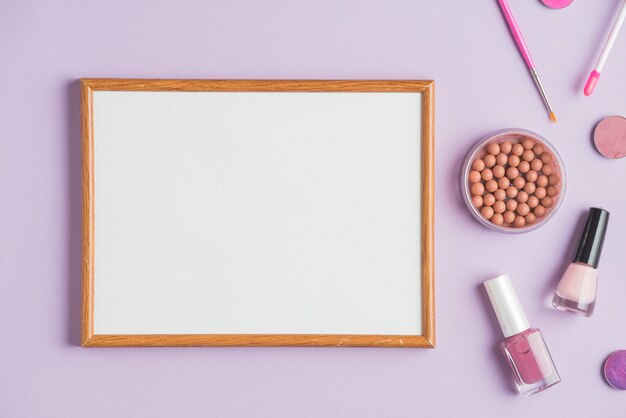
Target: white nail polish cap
(506, 305)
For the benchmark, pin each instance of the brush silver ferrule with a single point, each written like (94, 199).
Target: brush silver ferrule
(533, 73)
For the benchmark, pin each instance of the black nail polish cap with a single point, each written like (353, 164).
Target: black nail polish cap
(592, 237)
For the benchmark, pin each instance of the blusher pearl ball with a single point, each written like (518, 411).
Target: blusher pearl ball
(536, 164)
(499, 194)
(513, 160)
(487, 212)
(553, 191)
(540, 192)
(547, 202)
(512, 172)
(504, 182)
(493, 148)
(478, 164)
(511, 191)
(547, 170)
(546, 158)
(498, 171)
(519, 182)
(527, 143)
(529, 188)
(491, 186)
(532, 201)
(542, 181)
(528, 156)
(523, 209)
(511, 205)
(539, 211)
(531, 176)
(489, 199)
(477, 201)
(523, 167)
(499, 207)
(497, 219)
(522, 197)
(477, 189)
(517, 149)
(489, 160)
(553, 180)
(501, 159)
(508, 216)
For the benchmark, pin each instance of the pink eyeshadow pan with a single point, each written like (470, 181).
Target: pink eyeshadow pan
(557, 4)
(610, 137)
(615, 369)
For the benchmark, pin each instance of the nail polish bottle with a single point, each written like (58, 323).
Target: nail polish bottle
(576, 291)
(523, 346)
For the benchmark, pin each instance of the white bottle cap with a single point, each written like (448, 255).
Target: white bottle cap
(506, 305)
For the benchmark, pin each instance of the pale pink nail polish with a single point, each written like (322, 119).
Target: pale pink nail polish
(524, 347)
(576, 291)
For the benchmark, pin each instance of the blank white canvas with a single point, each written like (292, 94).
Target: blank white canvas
(257, 213)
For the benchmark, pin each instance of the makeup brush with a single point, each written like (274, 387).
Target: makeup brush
(523, 49)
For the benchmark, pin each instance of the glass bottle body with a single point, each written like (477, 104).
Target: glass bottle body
(577, 289)
(530, 361)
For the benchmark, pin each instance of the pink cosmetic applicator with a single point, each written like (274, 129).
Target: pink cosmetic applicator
(523, 49)
(595, 74)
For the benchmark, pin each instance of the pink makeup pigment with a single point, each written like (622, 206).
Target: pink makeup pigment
(615, 369)
(610, 137)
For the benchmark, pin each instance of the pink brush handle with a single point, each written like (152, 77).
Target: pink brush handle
(517, 34)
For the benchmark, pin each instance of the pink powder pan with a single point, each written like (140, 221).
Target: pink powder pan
(610, 137)
(557, 4)
(615, 370)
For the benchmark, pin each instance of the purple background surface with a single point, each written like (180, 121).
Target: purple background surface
(481, 86)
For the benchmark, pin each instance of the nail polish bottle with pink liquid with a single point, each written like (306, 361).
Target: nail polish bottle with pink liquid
(523, 346)
(576, 291)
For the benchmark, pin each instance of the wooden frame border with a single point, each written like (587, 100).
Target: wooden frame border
(427, 339)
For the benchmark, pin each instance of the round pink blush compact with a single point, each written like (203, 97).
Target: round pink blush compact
(557, 4)
(615, 369)
(610, 137)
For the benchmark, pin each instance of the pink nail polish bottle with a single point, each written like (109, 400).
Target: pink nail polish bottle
(576, 291)
(524, 347)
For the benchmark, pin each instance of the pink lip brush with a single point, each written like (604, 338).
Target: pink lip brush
(595, 74)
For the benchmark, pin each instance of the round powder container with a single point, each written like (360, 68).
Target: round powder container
(512, 181)
(610, 137)
(615, 369)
